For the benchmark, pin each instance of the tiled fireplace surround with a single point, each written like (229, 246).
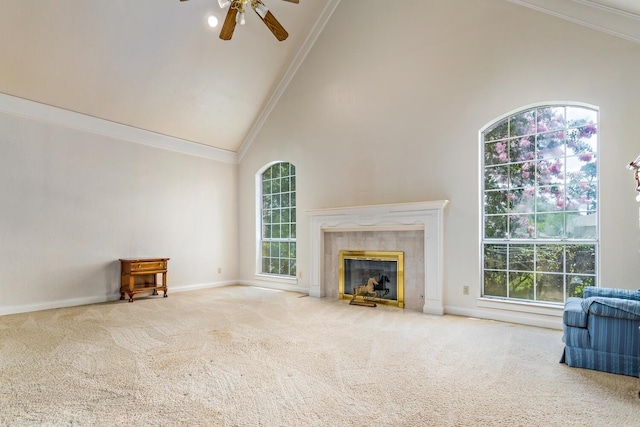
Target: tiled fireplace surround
(414, 228)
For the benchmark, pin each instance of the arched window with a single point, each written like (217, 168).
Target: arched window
(278, 220)
(540, 204)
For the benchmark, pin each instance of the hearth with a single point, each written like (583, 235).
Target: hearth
(383, 271)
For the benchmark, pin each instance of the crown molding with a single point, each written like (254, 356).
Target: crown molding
(46, 113)
(590, 14)
(609, 9)
(288, 76)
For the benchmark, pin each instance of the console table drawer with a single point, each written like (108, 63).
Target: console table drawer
(148, 265)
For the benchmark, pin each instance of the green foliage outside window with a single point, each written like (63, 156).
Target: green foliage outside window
(278, 235)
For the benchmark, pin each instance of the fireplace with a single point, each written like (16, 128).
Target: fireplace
(401, 226)
(385, 270)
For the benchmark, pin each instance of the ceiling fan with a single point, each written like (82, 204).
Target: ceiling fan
(236, 16)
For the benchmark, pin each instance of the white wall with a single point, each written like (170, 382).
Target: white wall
(388, 104)
(73, 202)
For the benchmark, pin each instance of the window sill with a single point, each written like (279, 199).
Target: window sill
(522, 307)
(287, 280)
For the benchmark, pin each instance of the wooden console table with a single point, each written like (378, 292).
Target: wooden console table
(141, 274)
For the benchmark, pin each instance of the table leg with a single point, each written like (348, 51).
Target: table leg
(155, 283)
(164, 283)
(132, 285)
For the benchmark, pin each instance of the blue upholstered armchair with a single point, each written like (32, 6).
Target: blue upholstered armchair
(601, 331)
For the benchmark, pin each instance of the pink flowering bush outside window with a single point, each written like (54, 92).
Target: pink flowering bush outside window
(540, 203)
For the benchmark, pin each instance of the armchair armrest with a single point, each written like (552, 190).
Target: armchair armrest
(593, 291)
(612, 307)
(573, 313)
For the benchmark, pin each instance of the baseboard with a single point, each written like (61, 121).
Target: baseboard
(49, 305)
(274, 285)
(199, 286)
(97, 299)
(529, 319)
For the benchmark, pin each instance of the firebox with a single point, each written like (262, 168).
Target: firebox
(357, 268)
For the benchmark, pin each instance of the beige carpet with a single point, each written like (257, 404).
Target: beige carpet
(242, 356)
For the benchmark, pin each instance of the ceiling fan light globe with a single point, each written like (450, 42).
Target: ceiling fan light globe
(224, 3)
(261, 10)
(240, 18)
(212, 21)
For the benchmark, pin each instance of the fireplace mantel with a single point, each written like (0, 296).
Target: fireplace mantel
(427, 216)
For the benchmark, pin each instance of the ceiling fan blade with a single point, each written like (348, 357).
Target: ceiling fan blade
(290, 1)
(229, 24)
(275, 27)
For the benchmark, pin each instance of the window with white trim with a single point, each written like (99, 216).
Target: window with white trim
(540, 204)
(278, 220)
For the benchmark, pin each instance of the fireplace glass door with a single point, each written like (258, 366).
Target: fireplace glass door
(357, 268)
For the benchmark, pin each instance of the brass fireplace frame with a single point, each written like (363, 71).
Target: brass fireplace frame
(397, 256)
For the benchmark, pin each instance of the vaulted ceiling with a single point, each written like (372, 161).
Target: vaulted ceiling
(157, 66)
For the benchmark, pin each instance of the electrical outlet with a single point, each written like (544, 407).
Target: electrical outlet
(219, 270)
(300, 274)
(465, 290)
